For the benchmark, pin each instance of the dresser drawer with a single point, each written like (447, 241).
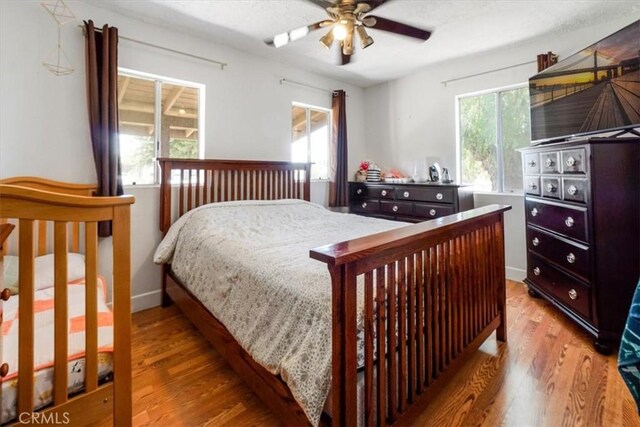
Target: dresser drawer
(532, 185)
(551, 187)
(574, 161)
(425, 210)
(365, 206)
(573, 257)
(531, 163)
(571, 222)
(362, 191)
(574, 189)
(441, 195)
(549, 162)
(565, 289)
(396, 208)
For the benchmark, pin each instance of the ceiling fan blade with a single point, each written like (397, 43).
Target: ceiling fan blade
(375, 3)
(282, 39)
(322, 3)
(399, 28)
(344, 59)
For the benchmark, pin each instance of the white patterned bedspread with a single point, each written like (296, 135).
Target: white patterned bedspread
(248, 263)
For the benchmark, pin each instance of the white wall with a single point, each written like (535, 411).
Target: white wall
(414, 117)
(44, 128)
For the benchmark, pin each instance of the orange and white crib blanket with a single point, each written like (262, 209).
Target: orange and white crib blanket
(44, 344)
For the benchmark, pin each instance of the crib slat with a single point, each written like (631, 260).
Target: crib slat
(205, 187)
(61, 329)
(122, 316)
(75, 237)
(91, 305)
(446, 277)
(381, 346)
(368, 349)
(42, 238)
(26, 316)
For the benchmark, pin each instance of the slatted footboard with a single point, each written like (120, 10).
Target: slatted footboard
(433, 292)
(37, 207)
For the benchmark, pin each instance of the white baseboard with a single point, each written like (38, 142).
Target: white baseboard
(515, 274)
(146, 300)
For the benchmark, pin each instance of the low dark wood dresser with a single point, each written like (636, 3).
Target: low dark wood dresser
(582, 209)
(408, 202)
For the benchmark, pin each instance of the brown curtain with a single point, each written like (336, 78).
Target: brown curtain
(339, 186)
(102, 97)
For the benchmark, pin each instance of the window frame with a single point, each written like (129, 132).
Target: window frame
(158, 81)
(499, 137)
(308, 108)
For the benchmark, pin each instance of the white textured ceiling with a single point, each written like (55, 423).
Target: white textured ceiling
(459, 28)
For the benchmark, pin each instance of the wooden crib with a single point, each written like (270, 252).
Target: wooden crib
(36, 207)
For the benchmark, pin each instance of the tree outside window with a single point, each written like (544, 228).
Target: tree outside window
(492, 127)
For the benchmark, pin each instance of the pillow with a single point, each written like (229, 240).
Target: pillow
(44, 271)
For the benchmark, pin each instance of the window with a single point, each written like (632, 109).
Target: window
(492, 127)
(310, 138)
(159, 117)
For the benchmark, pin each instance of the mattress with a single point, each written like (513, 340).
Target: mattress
(44, 345)
(248, 263)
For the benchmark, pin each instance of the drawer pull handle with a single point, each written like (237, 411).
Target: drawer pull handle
(551, 188)
(536, 271)
(364, 205)
(534, 212)
(432, 212)
(5, 294)
(394, 208)
(406, 194)
(4, 370)
(573, 294)
(532, 186)
(359, 191)
(569, 222)
(549, 162)
(535, 241)
(571, 258)
(531, 164)
(571, 161)
(573, 190)
(384, 192)
(439, 196)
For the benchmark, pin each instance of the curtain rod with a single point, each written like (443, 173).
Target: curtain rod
(202, 58)
(488, 72)
(291, 82)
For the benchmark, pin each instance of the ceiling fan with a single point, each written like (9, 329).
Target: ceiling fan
(349, 20)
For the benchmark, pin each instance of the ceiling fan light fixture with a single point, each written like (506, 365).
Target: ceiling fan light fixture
(327, 39)
(365, 39)
(340, 31)
(298, 33)
(281, 39)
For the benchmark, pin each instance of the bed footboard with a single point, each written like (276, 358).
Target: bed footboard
(433, 292)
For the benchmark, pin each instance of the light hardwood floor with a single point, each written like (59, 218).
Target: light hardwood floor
(546, 375)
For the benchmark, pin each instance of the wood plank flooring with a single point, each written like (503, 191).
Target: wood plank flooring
(547, 375)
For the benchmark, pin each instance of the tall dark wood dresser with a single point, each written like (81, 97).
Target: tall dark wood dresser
(408, 202)
(582, 207)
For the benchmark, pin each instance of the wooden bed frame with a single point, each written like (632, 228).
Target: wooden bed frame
(31, 203)
(448, 298)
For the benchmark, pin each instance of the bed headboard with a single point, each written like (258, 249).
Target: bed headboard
(41, 236)
(210, 181)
